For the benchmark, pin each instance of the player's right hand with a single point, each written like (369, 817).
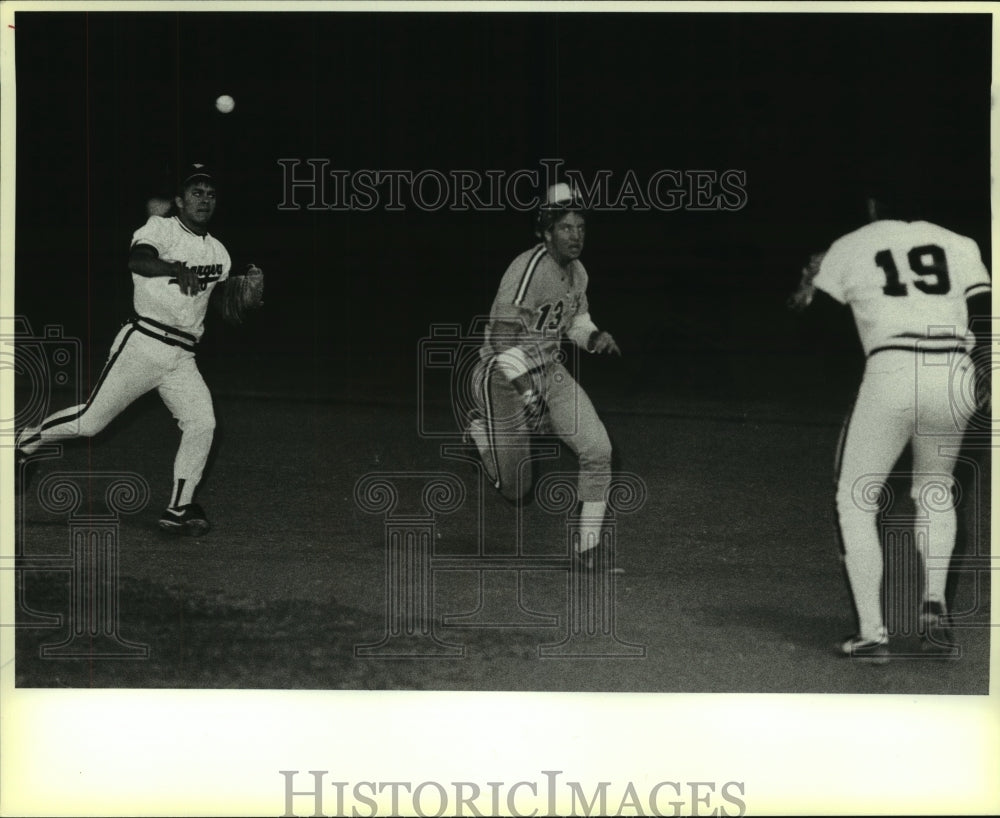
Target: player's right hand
(604, 343)
(187, 279)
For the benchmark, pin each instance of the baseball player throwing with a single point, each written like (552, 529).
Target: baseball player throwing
(911, 287)
(176, 265)
(522, 383)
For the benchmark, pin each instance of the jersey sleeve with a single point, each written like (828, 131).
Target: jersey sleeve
(154, 233)
(517, 298)
(581, 329)
(975, 277)
(830, 278)
(227, 263)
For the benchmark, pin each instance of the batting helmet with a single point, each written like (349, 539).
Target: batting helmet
(560, 199)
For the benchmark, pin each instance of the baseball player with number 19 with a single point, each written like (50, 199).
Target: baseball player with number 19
(176, 264)
(521, 380)
(911, 286)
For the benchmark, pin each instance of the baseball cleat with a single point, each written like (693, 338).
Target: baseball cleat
(590, 561)
(26, 433)
(872, 651)
(188, 520)
(933, 628)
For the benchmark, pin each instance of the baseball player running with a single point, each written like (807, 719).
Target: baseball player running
(176, 265)
(911, 287)
(522, 383)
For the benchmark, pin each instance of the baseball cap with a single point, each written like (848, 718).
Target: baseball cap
(194, 171)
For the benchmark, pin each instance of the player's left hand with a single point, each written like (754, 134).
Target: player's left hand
(604, 343)
(243, 294)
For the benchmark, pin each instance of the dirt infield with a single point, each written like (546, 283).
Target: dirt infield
(733, 581)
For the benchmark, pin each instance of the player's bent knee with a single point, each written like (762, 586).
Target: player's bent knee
(89, 426)
(934, 492)
(204, 425)
(595, 453)
(864, 496)
(598, 460)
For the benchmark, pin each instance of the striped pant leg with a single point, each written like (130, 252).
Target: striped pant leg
(508, 435)
(128, 374)
(186, 395)
(943, 413)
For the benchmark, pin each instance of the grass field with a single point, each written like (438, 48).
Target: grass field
(733, 581)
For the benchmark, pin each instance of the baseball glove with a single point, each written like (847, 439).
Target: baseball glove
(803, 296)
(244, 293)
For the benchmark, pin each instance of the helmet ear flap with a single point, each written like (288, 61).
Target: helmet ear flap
(543, 221)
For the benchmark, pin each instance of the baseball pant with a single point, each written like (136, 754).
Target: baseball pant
(569, 414)
(920, 398)
(137, 364)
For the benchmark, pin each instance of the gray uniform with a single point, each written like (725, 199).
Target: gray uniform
(546, 302)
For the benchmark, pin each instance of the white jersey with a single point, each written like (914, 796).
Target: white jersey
(906, 282)
(159, 297)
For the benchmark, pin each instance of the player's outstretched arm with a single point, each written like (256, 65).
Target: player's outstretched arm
(584, 333)
(143, 260)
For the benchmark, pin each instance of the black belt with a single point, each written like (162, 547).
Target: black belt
(901, 348)
(164, 333)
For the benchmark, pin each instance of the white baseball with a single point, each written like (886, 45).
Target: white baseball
(225, 103)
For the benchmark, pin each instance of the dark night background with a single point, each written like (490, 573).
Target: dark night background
(810, 106)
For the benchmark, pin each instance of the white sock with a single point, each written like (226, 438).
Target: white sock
(591, 523)
(864, 572)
